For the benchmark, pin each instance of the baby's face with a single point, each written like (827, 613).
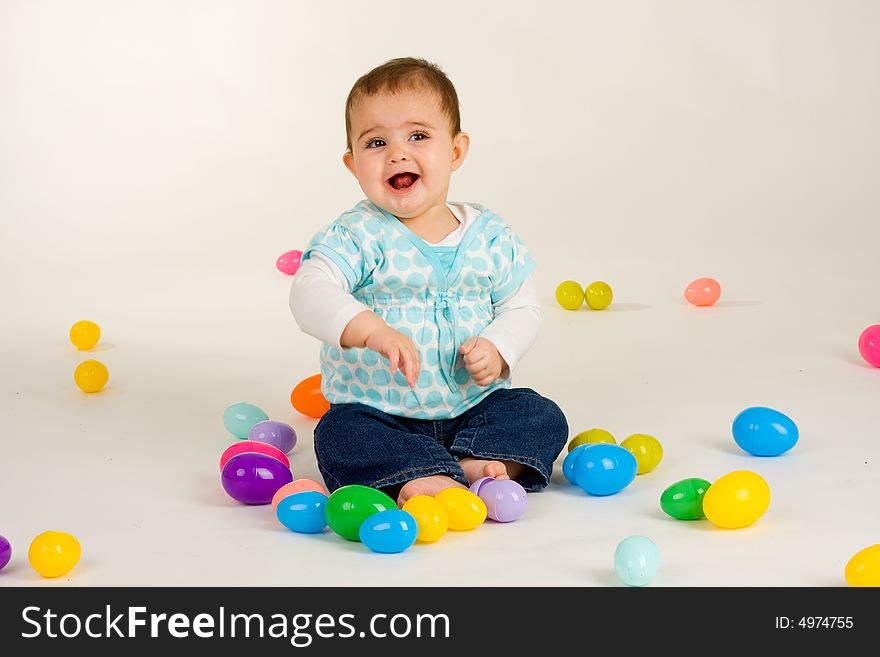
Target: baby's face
(403, 152)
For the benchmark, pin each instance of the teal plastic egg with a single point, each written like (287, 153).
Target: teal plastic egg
(636, 560)
(240, 417)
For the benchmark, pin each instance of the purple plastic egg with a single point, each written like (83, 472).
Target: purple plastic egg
(253, 478)
(5, 552)
(505, 499)
(277, 434)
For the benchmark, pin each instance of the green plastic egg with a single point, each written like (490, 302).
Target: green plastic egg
(349, 506)
(591, 436)
(683, 500)
(647, 450)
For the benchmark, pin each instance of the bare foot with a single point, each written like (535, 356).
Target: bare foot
(478, 468)
(430, 486)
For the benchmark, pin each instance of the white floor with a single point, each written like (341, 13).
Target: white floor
(132, 472)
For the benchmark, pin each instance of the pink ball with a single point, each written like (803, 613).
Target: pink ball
(869, 345)
(288, 262)
(703, 292)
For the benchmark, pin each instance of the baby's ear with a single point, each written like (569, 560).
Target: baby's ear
(460, 145)
(348, 161)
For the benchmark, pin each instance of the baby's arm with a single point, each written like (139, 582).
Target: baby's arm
(322, 304)
(511, 333)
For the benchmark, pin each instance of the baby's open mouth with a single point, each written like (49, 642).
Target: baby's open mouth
(403, 181)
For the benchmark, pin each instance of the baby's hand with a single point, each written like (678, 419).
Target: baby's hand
(397, 348)
(482, 360)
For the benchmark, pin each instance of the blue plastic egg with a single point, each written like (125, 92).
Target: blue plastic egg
(636, 560)
(303, 512)
(762, 431)
(604, 469)
(568, 462)
(389, 531)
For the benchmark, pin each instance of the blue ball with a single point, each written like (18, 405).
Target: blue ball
(762, 431)
(604, 469)
(389, 531)
(303, 512)
(636, 560)
(568, 462)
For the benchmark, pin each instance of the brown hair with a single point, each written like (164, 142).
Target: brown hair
(405, 74)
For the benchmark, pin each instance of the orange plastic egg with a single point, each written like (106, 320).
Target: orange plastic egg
(703, 292)
(307, 397)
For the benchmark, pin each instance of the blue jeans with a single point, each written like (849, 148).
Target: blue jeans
(359, 444)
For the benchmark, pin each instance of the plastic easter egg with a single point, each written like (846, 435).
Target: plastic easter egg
(53, 554)
(349, 506)
(239, 418)
(297, 486)
(736, 500)
(570, 295)
(598, 295)
(647, 450)
(279, 434)
(389, 532)
(683, 500)
(307, 397)
(762, 431)
(85, 334)
(591, 436)
(505, 499)
(430, 515)
(252, 478)
(254, 446)
(91, 376)
(636, 560)
(568, 462)
(304, 513)
(703, 292)
(863, 569)
(869, 345)
(5, 552)
(604, 469)
(288, 262)
(466, 511)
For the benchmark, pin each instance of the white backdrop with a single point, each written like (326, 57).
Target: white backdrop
(157, 157)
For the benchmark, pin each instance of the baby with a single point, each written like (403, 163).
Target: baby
(424, 308)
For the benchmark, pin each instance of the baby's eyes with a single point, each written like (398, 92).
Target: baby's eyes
(378, 143)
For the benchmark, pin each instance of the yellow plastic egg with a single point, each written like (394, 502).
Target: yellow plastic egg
(647, 450)
(91, 375)
(53, 554)
(85, 334)
(465, 510)
(591, 436)
(570, 295)
(430, 515)
(736, 500)
(598, 295)
(863, 569)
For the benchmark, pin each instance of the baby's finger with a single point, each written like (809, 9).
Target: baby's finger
(407, 366)
(479, 363)
(417, 363)
(473, 355)
(394, 357)
(468, 345)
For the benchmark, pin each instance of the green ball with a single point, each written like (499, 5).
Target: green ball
(683, 500)
(349, 506)
(238, 418)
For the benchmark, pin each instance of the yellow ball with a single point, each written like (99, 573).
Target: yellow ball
(736, 500)
(85, 334)
(430, 515)
(591, 436)
(647, 450)
(91, 375)
(570, 295)
(863, 569)
(598, 295)
(53, 554)
(465, 510)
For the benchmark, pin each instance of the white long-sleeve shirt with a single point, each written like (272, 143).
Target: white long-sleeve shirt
(322, 303)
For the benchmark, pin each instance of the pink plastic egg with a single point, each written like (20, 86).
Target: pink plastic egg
(703, 292)
(298, 486)
(869, 345)
(288, 262)
(253, 446)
